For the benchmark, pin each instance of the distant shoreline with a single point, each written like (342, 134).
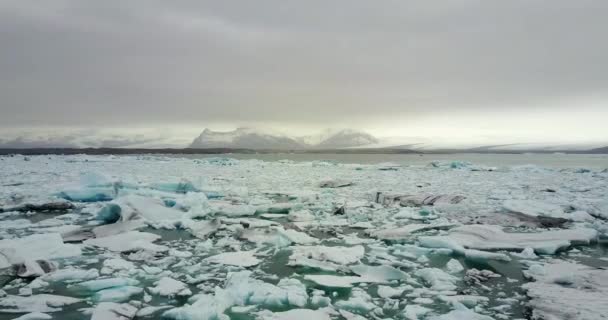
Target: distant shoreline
(134, 151)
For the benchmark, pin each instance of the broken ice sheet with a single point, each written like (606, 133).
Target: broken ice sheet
(171, 236)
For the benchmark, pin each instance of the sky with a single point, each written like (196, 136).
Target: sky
(152, 72)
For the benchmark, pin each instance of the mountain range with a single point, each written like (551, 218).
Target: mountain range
(247, 138)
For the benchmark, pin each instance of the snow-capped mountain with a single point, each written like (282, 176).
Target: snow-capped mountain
(247, 138)
(244, 138)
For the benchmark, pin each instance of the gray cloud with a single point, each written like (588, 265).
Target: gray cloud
(296, 63)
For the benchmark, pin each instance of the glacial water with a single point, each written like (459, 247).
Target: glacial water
(572, 182)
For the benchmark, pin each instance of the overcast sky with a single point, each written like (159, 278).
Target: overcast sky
(515, 70)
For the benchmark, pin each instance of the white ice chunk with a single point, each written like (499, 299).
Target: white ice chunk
(535, 208)
(34, 316)
(113, 311)
(358, 302)
(170, 287)
(454, 266)
(389, 292)
(100, 284)
(239, 259)
(201, 229)
(36, 303)
(339, 255)
(484, 256)
(117, 294)
(231, 210)
(129, 241)
(461, 314)
(112, 265)
(566, 290)
(488, 237)
(331, 281)
(295, 314)
(378, 274)
(35, 247)
(438, 279)
(406, 231)
(71, 274)
(276, 236)
(415, 311)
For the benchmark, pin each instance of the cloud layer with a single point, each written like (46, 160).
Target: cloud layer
(390, 67)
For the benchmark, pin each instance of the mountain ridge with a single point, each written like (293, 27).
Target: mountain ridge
(256, 139)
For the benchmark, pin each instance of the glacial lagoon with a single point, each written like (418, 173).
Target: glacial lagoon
(301, 236)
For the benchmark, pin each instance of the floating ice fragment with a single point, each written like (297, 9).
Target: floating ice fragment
(487, 237)
(454, 266)
(100, 284)
(378, 274)
(484, 256)
(170, 287)
(87, 194)
(438, 279)
(535, 208)
(129, 241)
(36, 303)
(239, 259)
(339, 255)
(566, 290)
(116, 294)
(414, 311)
(35, 247)
(406, 231)
(389, 292)
(467, 300)
(295, 314)
(335, 183)
(113, 311)
(34, 316)
(331, 281)
(527, 253)
(231, 210)
(71, 274)
(358, 302)
(201, 229)
(461, 314)
(184, 186)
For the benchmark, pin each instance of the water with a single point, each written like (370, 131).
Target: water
(592, 161)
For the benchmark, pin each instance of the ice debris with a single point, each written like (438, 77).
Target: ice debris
(488, 237)
(113, 311)
(239, 259)
(566, 290)
(28, 249)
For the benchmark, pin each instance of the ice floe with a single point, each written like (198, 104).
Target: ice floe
(484, 237)
(146, 236)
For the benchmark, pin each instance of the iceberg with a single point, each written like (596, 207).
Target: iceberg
(438, 279)
(331, 281)
(339, 255)
(488, 237)
(378, 274)
(295, 314)
(535, 208)
(566, 290)
(117, 294)
(47, 246)
(239, 259)
(34, 316)
(406, 231)
(44, 303)
(128, 241)
(71, 275)
(170, 287)
(113, 311)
